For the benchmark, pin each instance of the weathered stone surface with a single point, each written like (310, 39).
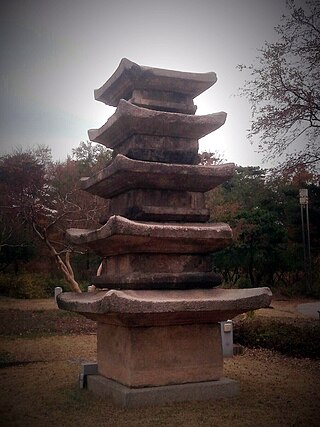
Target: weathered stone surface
(158, 205)
(135, 397)
(163, 101)
(187, 280)
(155, 328)
(157, 271)
(120, 235)
(157, 307)
(129, 120)
(164, 149)
(154, 356)
(125, 174)
(128, 264)
(181, 87)
(165, 214)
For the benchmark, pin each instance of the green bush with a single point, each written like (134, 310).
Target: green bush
(300, 339)
(29, 285)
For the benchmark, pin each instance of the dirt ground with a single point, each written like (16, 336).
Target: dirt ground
(41, 354)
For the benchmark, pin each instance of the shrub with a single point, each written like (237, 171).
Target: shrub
(29, 285)
(295, 339)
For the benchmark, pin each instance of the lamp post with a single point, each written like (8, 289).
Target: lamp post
(304, 205)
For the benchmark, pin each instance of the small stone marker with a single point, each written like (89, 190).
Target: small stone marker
(57, 291)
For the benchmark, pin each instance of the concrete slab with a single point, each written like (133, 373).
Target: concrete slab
(311, 309)
(127, 397)
(87, 368)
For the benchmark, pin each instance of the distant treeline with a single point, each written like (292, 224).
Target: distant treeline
(41, 198)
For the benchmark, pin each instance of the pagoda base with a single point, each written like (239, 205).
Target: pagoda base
(158, 346)
(128, 397)
(159, 355)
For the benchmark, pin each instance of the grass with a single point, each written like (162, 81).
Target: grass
(38, 323)
(275, 391)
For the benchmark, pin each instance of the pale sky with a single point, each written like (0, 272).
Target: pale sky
(55, 53)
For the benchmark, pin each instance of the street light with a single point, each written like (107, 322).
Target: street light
(304, 205)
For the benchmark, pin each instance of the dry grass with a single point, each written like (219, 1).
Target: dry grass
(27, 304)
(275, 390)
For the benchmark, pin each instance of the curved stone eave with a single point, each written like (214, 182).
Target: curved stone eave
(129, 76)
(121, 235)
(145, 302)
(130, 119)
(124, 174)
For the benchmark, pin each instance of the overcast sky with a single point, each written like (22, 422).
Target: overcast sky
(55, 53)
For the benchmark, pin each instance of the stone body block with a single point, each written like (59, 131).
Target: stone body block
(163, 281)
(158, 205)
(124, 174)
(154, 271)
(159, 213)
(163, 355)
(130, 120)
(163, 101)
(163, 149)
(128, 264)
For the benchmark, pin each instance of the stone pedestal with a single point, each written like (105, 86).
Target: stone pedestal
(161, 346)
(128, 397)
(159, 355)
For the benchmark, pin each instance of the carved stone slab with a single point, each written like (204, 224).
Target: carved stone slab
(170, 89)
(129, 120)
(120, 235)
(125, 174)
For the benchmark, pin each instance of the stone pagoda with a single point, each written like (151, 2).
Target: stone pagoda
(157, 304)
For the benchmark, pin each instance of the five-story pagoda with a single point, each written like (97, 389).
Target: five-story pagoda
(157, 306)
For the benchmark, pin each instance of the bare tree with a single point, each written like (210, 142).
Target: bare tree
(283, 89)
(46, 196)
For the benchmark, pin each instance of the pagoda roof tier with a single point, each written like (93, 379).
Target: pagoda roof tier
(129, 120)
(130, 76)
(124, 174)
(164, 307)
(121, 235)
